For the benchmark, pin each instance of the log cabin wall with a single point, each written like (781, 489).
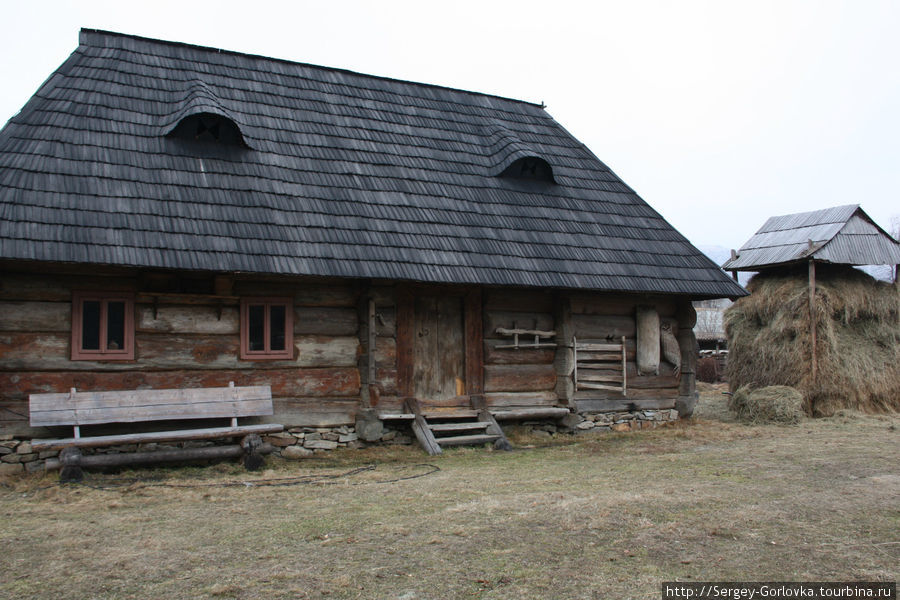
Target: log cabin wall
(181, 340)
(604, 317)
(523, 377)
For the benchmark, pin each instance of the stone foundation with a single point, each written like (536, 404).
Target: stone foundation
(296, 443)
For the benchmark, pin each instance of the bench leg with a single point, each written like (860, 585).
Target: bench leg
(253, 458)
(70, 459)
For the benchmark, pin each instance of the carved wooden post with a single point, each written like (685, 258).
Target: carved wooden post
(687, 344)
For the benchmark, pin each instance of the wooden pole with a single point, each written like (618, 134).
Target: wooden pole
(812, 316)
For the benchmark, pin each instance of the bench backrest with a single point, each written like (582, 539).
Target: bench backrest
(131, 406)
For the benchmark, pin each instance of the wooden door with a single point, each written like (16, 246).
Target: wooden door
(439, 366)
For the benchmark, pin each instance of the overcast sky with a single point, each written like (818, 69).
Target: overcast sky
(719, 114)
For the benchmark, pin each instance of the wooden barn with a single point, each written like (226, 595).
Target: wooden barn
(176, 216)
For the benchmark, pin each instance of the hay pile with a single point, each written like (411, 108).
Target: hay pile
(858, 339)
(771, 404)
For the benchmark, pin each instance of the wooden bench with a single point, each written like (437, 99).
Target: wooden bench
(600, 366)
(78, 409)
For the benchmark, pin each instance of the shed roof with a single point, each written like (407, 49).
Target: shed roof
(337, 174)
(840, 235)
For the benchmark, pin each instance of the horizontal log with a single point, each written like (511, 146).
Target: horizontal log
(496, 400)
(515, 414)
(50, 351)
(323, 320)
(314, 412)
(145, 458)
(518, 300)
(666, 378)
(100, 441)
(36, 316)
(599, 327)
(509, 320)
(508, 356)
(191, 319)
(385, 321)
(386, 353)
(519, 378)
(285, 383)
(623, 404)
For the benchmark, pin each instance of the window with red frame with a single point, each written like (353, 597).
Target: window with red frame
(102, 326)
(267, 328)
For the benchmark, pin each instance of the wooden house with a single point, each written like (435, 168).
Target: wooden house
(180, 216)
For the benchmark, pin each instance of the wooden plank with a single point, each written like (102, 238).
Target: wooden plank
(458, 426)
(323, 320)
(36, 316)
(405, 346)
(58, 287)
(467, 440)
(624, 404)
(420, 428)
(586, 385)
(155, 436)
(585, 376)
(474, 343)
(633, 394)
(519, 378)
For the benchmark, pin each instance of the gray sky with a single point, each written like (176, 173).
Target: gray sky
(719, 114)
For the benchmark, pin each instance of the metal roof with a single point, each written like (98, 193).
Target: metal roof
(840, 235)
(336, 174)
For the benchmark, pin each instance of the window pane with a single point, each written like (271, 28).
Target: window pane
(90, 325)
(115, 325)
(276, 322)
(256, 323)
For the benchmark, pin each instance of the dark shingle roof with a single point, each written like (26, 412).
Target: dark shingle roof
(841, 235)
(341, 174)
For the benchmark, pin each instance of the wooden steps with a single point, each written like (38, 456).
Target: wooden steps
(437, 428)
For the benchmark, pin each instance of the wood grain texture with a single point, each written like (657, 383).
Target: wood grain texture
(519, 378)
(510, 356)
(474, 343)
(35, 316)
(509, 320)
(601, 327)
(623, 404)
(405, 349)
(529, 301)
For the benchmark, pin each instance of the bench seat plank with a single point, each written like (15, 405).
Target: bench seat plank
(155, 436)
(131, 406)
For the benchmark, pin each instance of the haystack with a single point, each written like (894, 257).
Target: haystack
(857, 332)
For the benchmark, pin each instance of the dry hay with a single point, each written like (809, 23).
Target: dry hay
(771, 404)
(857, 339)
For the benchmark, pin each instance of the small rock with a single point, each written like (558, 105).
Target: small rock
(45, 454)
(11, 458)
(584, 425)
(313, 436)
(388, 436)
(348, 437)
(296, 430)
(331, 436)
(4, 450)
(9, 444)
(356, 444)
(570, 421)
(320, 444)
(343, 430)
(24, 448)
(295, 453)
(280, 442)
(673, 415)
(11, 469)
(5, 437)
(621, 427)
(35, 466)
(26, 458)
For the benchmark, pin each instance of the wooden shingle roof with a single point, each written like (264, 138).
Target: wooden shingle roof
(840, 235)
(338, 174)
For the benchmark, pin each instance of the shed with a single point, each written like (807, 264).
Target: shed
(175, 215)
(812, 321)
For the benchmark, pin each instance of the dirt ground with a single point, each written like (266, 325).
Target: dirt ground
(588, 516)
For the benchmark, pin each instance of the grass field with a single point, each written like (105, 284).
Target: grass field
(595, 516)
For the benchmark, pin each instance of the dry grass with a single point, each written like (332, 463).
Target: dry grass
(858, 339)
(770, 404)
(605, 516)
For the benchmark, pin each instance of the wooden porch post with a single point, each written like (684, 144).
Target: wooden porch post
(474, 343)
(812, 315)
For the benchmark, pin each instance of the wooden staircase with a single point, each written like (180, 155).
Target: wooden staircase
(437, 428)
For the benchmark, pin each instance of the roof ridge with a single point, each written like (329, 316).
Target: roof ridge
(82, 39)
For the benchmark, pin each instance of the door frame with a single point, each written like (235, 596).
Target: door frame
(473, 334)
